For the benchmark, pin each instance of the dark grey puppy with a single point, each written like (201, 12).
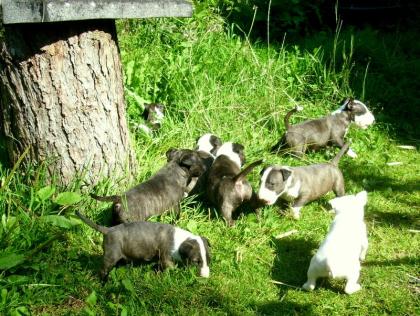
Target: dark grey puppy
(161, 192)
(301, 184)
(147, 241)
(324, 131)
(227, 187)
(207, 147)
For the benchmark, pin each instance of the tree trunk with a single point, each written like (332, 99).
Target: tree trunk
(62, 96)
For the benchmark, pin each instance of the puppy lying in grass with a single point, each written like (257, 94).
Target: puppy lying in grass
(345, 245)
(301, 184)
(161, 192)
(147, 241)
(324, 131)
(227, 187)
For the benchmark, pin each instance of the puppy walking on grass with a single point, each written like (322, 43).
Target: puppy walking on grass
(324, 131)
(344, 247)
(148, 241)
(301, 184)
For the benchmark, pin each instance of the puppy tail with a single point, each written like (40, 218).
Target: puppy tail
(298, 108)
(112, 198)
(241, 175)
(104, 230)
(340, 154)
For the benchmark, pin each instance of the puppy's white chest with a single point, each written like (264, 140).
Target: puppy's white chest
(291, 192)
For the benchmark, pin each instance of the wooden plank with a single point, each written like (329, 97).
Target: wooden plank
(37, 11)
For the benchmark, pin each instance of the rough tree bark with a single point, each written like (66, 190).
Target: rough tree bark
(62, 96)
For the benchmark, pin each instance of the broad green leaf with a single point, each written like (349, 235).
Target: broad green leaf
(60, 221)
(10, 260)
(67, 198)
(45, 192)
(129, 71)
(17, 279)
(192, 225)
(3, 296)
(20, 311)
(128, 285)
(91, 299)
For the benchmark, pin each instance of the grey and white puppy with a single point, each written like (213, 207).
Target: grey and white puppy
(324, 131)
(207, 147)
(161, 192)
(153, 115)
(301, 184)
(147, 241)
(227, 187)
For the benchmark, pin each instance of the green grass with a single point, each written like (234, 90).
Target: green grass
(212, 79)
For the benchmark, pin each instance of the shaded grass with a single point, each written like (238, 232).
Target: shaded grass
(212, 80)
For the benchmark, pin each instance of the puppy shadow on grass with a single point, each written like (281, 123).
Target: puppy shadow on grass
(372, 180)
(292, 262)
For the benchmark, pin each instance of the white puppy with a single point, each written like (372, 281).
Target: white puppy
(345, 245)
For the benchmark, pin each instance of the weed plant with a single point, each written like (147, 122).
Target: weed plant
(213, 79)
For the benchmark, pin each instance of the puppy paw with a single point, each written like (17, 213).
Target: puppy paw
(351, 153)
(352, 288)
(308, 286)
(296, 213)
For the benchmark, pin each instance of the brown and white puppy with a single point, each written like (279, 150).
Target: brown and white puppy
(324, 131)
(207, 147)
(148, 241)
(301, 184)
(227, 187)
(161, 192)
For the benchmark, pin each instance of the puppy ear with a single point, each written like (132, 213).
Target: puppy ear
(188, 160)
(216, 141)
(206, 241)
(362, 197)
(170, 154)
(193, 164)
(161, 107)
(286, 174)
(185, 249)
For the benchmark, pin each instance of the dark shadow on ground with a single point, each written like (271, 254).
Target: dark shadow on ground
(400, 220)
(284, 307)
(292, 263)
(292, 260)
(372, 178)
(393, 262)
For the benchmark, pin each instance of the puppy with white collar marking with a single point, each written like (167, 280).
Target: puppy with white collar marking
(324, 131)
(207, 147)
(148, 241)
(345, 245)
(301, 184)
(227, 187)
